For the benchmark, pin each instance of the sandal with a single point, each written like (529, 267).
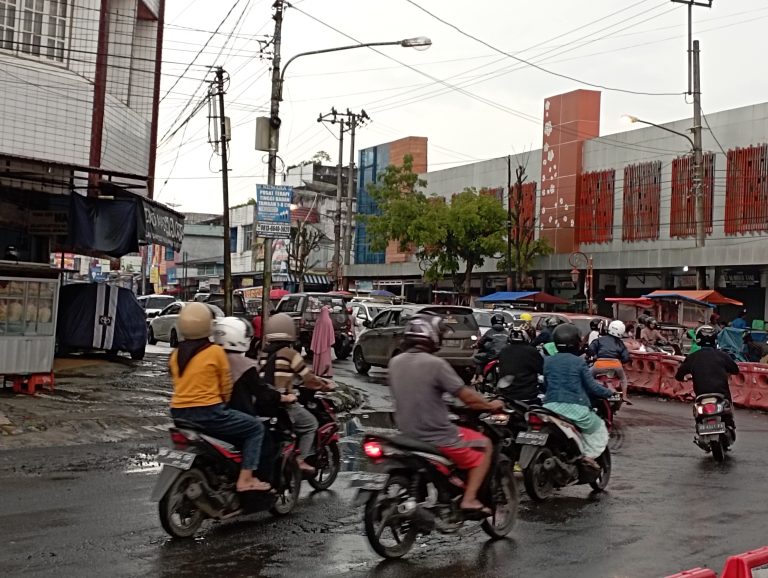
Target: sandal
(256, 486)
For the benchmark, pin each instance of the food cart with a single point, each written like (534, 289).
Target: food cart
(29, 295)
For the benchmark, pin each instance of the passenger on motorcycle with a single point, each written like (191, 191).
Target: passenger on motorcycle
(202, 386)
(594, 330)
(709, 368)
(418, 379)
(280, 365)
(520, 365)
(650, 335)
(550, 324)
(610, 353)
(568, 387)
(490, 345)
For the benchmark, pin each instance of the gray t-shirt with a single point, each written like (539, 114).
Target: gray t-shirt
(418, 381)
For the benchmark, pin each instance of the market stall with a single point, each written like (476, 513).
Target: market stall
(522, 297)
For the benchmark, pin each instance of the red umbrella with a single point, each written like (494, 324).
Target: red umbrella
(341, 294)
(278, 293)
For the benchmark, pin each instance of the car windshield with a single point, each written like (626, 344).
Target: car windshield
(457, 318)
(158, 302)
(583, 325)
(289, 305)
(483, 318)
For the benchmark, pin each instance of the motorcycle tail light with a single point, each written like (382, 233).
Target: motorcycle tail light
(373, 450)
(179, 438)
(709, 408)
(535, 422)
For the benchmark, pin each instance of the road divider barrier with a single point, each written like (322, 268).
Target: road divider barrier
(669, 386)
(695, 573)
(758, 394)
(643, 372)
(741, 385)
(739, 566)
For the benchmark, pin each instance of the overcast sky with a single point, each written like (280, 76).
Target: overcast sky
(471, 101)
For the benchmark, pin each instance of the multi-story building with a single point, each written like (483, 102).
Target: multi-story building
(80, 108)
(627, 201)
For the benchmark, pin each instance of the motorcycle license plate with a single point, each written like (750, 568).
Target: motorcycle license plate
(711, 428)
(532, 438)
(175, 458)
(451, 342)
(369, 482)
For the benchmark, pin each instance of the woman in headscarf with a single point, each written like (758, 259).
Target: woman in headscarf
(323, 339)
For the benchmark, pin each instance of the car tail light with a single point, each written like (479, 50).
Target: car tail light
(535, 421)
(373, 450)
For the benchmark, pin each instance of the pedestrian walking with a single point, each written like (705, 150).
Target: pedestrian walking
(323, 339)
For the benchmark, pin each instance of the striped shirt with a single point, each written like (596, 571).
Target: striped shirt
(289, 364)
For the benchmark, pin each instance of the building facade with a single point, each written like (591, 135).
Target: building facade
(626, 200)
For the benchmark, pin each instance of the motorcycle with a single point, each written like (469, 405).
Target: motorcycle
(551, 455)
(326, 459)
(345, 342)
(199, 475)
(490, 378)
(712, 433)
(413, 489)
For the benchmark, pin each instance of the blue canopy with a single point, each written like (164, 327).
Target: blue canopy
(507, 296)
(679, 297)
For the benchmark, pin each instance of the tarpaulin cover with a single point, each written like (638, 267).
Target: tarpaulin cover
(708, 298)
(510, 296)
(731, 340)
(105, 226)
(100, 316)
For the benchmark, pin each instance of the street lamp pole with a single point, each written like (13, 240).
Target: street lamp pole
(576, 274)
(278, 77)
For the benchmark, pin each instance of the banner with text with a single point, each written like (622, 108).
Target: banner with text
(273, 211)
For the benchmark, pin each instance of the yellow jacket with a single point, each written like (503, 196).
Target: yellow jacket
(206, 379)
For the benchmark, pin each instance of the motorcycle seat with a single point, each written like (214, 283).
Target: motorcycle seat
(410, 443)
(557, 415)
(185, 424)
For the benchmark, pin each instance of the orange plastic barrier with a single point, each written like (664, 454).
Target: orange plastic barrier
(643, 372)
(758, 392)
(741, 566)
(742, 385)
(669, 386)
(695, 573)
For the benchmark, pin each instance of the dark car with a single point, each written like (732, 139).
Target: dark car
(305, 308)
(100, 317)
(239, 305)
(383, 337)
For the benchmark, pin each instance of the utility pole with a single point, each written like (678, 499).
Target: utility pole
(331, 117)
(698, 165)
(225, 193)
(353, 120)
(274, 136)
(509, 223)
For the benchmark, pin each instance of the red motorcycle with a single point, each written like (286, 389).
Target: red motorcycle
(490, 378)
(326, 459)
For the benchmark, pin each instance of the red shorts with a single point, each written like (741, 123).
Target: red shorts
(468, 452)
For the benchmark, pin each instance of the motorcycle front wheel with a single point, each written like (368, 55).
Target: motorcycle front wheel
(179, 515)
(288, 489)
(538, 483)
(507, 498)
(388, 533)
(327, 462)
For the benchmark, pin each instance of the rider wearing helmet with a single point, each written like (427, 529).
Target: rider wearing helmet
(490, 345)
(594, 330)
(569, 385)
(526, 324)
(550, 323)
(202, 386)
(418, 379)
(709, 368)
(520, 365)
(279, 365)
(610, 353)
(650, 334)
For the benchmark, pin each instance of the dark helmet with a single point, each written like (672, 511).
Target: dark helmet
(552, 322)
(651, 322)
(567, 338)
(497, 319)
(425, 331)
(519, 335)
(594, 325)
(706, 336)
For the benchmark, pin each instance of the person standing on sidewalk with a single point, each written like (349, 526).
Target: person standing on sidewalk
(323, 339)
(202, 386)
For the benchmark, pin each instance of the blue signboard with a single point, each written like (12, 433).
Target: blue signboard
(273, 211)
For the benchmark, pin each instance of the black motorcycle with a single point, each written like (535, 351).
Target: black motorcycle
(551, 455)
(713, 434)
(199, 475)
(414, 489)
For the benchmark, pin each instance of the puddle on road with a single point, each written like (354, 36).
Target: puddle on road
(142, 463)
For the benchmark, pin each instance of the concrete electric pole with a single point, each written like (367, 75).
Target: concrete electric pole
(224, 143)
(332, 118)
(353, 121)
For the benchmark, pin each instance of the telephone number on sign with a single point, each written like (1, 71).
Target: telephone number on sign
(273, 228)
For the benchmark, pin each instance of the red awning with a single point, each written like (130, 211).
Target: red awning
(639, 302)
(547, 299)
(278, 293)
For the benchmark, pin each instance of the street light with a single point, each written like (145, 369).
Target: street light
(278, 76)
(629, 119)
(587, 263)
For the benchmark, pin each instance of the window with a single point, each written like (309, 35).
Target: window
(382, 320)
(746, 190)
(642, 199)
(233, 240)
(169, 254)
(596, 207)
(247, 237)
(290, 305)
(34, 27)
(682, 222)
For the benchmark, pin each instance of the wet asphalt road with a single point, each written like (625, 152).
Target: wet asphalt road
(84, 511)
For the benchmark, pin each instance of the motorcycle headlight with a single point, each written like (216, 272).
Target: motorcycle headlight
(497, 419)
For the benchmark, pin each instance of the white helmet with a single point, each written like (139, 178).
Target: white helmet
(617, 329)
(233, 334)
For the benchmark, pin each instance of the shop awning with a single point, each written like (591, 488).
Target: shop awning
(511, 296)
(639, 302)
(707, 298)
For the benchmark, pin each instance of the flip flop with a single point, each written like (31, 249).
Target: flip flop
(480, 513)
(256, 487)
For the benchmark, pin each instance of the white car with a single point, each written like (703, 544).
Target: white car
(163, 327)
(363, 311)
(483, 317)
(154, 304)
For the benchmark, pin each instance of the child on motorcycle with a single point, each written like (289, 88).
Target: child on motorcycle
(610, 353)
(568, 387)
(202, 386)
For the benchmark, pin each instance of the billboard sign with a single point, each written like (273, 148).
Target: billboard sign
(273, 211)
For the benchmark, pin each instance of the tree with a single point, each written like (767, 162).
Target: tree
(523, 247)
(445, 236)
(304, 241)
(321, 157)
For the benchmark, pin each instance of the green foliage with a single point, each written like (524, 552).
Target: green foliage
(305, 239)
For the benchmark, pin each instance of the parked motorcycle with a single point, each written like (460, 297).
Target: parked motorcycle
(551, 455)
(327, 459)
(199, 475)
(413, 489)
(712, 433)
(345, 342)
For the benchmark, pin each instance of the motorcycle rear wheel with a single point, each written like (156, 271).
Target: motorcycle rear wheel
(327, 464)
(505, 515)
(288, 493)
(538, 484)
(377, 510)
(605, 473)
(718, 451)
(178, 514)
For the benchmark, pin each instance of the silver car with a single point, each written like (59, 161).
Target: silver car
(163, 327)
